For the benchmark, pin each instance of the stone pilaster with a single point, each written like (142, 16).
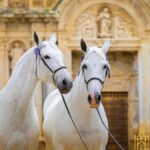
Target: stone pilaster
(3, 57)
(144, 84)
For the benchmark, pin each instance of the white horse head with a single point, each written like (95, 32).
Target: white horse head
(50, 66)
(94, 68)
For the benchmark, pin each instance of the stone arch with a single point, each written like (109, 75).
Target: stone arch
(76, 8)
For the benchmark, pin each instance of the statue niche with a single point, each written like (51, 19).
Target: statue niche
(14, 55)
(104, 23)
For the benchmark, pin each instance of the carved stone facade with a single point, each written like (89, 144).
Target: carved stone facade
(106, 21)
(125, 22)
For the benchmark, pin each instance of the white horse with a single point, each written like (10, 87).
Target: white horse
(59, 131)
(19, 126)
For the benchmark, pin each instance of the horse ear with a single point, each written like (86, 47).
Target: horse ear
(37, 40)
(106, 46)
(83, 45)
(53, 38)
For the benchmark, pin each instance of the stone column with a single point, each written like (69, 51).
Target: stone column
(144, 85)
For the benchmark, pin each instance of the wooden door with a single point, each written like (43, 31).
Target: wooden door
(115, 104)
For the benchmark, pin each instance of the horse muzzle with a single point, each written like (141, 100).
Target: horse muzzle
(65, 86)
(94, 100)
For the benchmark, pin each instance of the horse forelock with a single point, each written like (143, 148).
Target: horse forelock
(98, 51)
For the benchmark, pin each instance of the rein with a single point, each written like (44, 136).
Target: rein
(73, 121)
(37, 52)
(109, 131)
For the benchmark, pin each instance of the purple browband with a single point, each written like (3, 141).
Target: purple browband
(37, 51)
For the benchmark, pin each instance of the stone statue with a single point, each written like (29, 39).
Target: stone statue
(104, 23)
(15, 54)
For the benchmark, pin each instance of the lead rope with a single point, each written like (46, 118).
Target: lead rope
(109, 131)
(73, 121)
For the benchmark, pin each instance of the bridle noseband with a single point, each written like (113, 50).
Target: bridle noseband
(37, 52)
(92, 78)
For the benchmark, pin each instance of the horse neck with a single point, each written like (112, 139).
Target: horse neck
(21, 85)
(79, 95)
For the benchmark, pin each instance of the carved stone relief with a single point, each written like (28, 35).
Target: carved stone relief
(105, 21)
(14, 55)
(18, 3)
(85, 26)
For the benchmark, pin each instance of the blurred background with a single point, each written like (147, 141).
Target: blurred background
(126, 95)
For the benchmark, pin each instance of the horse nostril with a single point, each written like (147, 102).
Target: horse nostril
(64, 82)
(99, 98)
(89, 99)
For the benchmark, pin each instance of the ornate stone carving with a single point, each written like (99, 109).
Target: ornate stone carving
(18, 3)
(107, 20)
(14, 55)
(85, 25)
(104, 23)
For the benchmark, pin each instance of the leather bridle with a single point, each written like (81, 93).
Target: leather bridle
(37, 52)
(93, 78)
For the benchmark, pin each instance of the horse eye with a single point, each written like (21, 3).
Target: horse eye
(84, 66)
(46, 57)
